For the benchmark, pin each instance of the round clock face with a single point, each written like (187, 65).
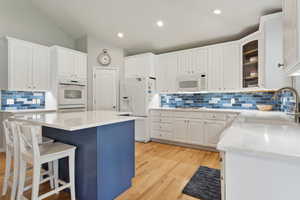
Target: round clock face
(104, 59)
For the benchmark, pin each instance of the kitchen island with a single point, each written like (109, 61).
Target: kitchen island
(260, 157)
(105, 162)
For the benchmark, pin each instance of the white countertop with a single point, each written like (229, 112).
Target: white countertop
(257, 132)
(29, 110)
(72, 121)
(262, 133)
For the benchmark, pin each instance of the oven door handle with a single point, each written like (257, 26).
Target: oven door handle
(72, 84)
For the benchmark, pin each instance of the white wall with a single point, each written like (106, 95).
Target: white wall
(93, 47)
(22, 20)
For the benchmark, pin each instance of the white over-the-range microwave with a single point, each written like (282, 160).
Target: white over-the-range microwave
(192, 83)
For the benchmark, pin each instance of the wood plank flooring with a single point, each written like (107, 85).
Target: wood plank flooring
(162, 171)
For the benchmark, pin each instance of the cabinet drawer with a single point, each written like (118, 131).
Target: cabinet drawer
(161, 113)
(156, 134)
(196, 115)
(215, 116)
(162, 135)
(161, 120)
(155, 113)
(162, 127)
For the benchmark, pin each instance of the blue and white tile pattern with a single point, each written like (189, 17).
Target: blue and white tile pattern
(239, 100)
(19, 100)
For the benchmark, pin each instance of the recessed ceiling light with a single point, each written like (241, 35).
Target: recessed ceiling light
(120, 35)
(160, 23)
(217, 11)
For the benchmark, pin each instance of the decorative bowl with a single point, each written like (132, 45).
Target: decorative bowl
(262, 107)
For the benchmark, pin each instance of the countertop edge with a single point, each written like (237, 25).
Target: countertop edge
(75, 128)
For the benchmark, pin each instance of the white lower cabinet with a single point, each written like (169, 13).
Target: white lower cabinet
(198, 128)
(196, 132)
(180, 127)
(213, 130)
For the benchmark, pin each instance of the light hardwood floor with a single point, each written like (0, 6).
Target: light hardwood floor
(162, 171)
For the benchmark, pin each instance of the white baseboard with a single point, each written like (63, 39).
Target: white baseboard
(193, 146)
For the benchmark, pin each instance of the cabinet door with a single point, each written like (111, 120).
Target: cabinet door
(290, 33)
(231, 66)
(20, 65)
(41, 68)
(213, 131)
(65, 61)
(161, 71)
(171, 65)
(166, 73)
(215, 68)
(195, 133)
(180, 127)
(80, 62)
(140, 65)
(200, 61)
(184, 63)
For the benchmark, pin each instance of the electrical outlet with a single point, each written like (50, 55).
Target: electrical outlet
(232, 101)
(10, 101)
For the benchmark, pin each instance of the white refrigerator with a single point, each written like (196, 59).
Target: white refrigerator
(139, 94)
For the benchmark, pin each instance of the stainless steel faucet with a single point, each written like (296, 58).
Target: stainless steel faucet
(295, 113)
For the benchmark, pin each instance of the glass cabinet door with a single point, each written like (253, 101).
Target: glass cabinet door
(250, 64)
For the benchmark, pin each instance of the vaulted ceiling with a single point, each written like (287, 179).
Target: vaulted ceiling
(187, 23)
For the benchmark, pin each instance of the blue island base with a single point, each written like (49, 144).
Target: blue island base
(105, 159)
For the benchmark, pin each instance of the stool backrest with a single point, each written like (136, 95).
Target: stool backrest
(28, 140)
(8, 133)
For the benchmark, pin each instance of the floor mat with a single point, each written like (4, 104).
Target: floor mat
(205, 184)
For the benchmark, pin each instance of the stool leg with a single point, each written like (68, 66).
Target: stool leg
(22, 177)
(36, 181)
(15, 178)
(51, 173)
(56, 174)
(72, 175)
(7, 172)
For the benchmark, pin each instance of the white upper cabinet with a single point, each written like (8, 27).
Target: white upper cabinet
(140, 65)
(200, 60)
(24, 65)
(192, 61)
(68, 63)
(41, 67)
(271, 28)
(231, 66)
(215, 68)
(166, 69)
(291, 33)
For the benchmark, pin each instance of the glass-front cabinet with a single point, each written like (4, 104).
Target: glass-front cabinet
(250, 62)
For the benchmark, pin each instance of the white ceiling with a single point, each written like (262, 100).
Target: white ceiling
(188, 23)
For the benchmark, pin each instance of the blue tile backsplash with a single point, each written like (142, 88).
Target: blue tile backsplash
(18, 100)
(239, 100)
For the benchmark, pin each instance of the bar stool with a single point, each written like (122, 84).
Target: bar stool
(12, 154)
(31, 153)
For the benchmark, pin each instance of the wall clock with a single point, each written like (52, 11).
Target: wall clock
(104, 58)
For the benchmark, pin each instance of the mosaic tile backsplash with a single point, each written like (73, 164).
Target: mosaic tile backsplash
(241, 100)
(18, 100)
